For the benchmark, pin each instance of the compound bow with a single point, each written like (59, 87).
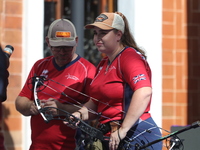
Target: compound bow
(91, 132)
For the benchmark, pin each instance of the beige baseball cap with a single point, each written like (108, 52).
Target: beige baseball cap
(62, 33)
(107, 21)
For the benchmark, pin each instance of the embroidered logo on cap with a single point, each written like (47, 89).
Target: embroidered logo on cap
(63, 34)
(101, 18)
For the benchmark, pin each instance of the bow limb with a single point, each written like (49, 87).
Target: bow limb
(36, 100)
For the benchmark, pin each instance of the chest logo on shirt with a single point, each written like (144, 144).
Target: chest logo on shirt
(110, 68)
(44, 73)
(69, 76)
(138, 78)
(100, 68)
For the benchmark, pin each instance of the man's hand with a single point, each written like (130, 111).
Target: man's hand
(33, 109)
(50, 103)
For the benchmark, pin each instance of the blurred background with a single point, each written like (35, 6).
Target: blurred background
(169, 32)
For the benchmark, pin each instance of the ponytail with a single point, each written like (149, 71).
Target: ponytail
(127, 38)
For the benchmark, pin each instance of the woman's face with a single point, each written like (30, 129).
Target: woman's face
(106, 41)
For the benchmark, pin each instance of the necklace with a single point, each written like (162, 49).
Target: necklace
(109, 63)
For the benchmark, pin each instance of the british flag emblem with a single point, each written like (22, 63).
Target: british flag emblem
(139, 78)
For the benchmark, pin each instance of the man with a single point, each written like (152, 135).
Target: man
(63, 71)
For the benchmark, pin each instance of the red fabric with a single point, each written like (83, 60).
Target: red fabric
(76, 75)
(109, 84)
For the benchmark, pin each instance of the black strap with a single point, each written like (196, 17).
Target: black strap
(105, 128)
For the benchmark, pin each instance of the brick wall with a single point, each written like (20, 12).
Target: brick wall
(181, 64)
(175, 67)
(11, 33)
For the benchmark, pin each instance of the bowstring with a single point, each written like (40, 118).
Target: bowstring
(79, 106)
(103, 103)
(87, 96)
(94, 112)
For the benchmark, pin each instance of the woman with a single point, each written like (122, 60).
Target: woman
(121, 90)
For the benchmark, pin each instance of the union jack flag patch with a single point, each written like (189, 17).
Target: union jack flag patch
(139, 78)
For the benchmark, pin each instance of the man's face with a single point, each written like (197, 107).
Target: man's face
(63, 54)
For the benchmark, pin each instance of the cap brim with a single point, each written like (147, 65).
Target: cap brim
(62, 42)
(99, 25)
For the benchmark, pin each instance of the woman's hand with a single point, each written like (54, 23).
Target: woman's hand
(115, 138)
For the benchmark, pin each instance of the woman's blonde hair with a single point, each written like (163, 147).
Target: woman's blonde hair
(127, 38)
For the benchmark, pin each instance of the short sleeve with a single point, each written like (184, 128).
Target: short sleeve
(135, 70)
